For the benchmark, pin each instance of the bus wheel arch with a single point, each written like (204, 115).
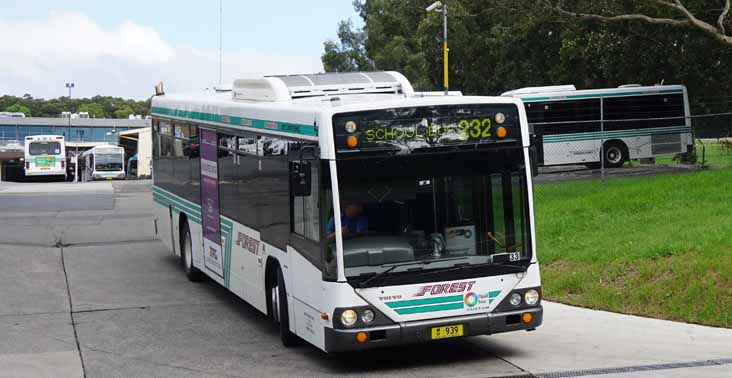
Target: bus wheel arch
(186, 250)
(615, 153)
(277, 306)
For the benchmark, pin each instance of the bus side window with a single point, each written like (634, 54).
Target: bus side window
(304, 183)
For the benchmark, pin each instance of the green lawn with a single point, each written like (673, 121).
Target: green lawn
(654, 246)
(715, 154)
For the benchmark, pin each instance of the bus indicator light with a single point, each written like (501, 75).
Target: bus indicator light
(351, 126)
(362, 337)
(352, 141)
(527, 318)
(501, 132)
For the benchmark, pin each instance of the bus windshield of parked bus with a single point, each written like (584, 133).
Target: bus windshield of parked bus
(108, 162)
(44, 148)
(436, 211)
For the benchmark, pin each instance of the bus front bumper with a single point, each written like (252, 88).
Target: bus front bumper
(343, 340)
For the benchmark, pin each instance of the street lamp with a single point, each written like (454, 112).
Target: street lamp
(68, 132)
(438, 6)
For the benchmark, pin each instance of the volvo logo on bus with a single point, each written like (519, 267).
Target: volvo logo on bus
(455, 287)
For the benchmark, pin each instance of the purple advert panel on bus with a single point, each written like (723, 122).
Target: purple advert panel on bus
(210, 217)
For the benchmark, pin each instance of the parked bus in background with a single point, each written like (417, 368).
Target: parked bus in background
(637, 123)
(45, 156)
(373, 217)
(102, 163)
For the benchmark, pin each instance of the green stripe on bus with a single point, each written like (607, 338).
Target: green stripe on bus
(419, 310)
(290, 128)
(426, 301)
(600, 95)
(177, 205)
(612, 134)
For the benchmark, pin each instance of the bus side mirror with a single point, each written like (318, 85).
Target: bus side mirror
(300, 179)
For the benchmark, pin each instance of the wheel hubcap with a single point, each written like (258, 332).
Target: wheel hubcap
(614, 155)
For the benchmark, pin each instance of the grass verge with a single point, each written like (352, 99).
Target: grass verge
(653, 246)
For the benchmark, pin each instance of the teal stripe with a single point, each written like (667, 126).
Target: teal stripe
(289, 128)
(494, 294)
(178, 205)
(600, 95)
(613, 134)
(418, 310)
(174, 197)
(191, 216)
(426, 301)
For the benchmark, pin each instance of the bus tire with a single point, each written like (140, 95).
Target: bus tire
(186, 255)
(615, 154)
(280, 311)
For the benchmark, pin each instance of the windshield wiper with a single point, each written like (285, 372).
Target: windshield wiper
(383, 273)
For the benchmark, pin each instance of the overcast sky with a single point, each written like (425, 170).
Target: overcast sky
(123, 48)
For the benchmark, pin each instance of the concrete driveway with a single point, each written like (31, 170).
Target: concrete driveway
(88, 292)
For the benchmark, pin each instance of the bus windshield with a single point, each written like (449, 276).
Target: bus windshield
(108, 162)
(443, 210)
(44, 148)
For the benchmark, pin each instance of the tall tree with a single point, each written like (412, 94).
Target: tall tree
(663, 12)
(19, 108)
(349, 54)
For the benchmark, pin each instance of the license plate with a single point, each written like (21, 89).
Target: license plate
(110, 178)
(447, 331)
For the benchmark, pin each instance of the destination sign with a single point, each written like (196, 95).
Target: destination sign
(407, 130)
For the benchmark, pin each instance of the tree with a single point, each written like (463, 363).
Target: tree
(94, 109)
(660, 15)
(19, 108)
(123, 112)
(349, 54)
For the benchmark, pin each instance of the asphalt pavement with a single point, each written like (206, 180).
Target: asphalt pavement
(88, 292)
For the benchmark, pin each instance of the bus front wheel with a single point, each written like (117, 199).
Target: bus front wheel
(280, 311)
(614, 154)
(192, 272)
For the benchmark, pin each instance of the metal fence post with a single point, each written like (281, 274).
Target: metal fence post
(602, 143)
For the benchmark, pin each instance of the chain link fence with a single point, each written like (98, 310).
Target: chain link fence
(595, 153)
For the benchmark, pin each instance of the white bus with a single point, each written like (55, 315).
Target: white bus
(102, 163)
(637, 123)
(45, 155)
(432, 197)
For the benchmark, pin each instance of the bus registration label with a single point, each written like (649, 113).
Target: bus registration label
(447, 331)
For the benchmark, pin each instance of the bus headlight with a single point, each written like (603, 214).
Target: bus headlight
(351, 126)
(348, 318)
(500, 118)
(515, 299)
(531, 297)
(367, 316)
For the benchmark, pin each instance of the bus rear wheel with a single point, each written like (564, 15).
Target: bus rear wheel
(280, 312)
(193, 274)
(614, 154)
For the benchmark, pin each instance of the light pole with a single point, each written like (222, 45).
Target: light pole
(438, 6)
(76, 156)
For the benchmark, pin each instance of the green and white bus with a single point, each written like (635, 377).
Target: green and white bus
(432, 195)
(614, 124)
(45, 155)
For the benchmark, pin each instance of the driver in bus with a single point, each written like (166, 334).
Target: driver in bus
(353, 222)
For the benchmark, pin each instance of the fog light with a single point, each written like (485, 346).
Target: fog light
(367, 315)
(348, 318)
(515, 299)
(351, 126)
(362, 337)
(500, 118)
(531, 297)
(501, 132)
(527, 318)
(352, 141)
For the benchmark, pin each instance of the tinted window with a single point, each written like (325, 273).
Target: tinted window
(44, 148)
(564, 117)
(238, 171)
(640, 111)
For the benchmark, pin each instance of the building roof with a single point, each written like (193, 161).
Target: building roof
(75, 122)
